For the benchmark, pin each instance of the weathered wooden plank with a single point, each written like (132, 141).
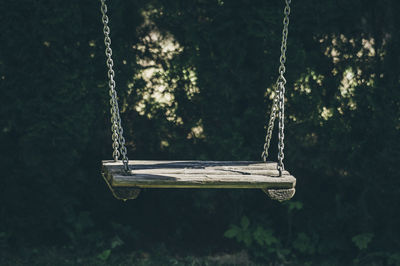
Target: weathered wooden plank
(206, 171)
(244, 165)
(202, 181)
(197, 174)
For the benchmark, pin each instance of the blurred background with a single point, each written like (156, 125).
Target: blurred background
(195, 80)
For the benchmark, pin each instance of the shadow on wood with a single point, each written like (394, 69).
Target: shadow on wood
(197, 174)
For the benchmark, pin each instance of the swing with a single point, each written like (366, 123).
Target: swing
(126, 178)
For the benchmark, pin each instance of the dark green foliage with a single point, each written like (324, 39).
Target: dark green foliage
(342, 132)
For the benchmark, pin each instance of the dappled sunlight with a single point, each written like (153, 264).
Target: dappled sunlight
(334, 47)
(157, 51)
(197, 132)
(344, 52)
(326, 113)
(303, 83)
(347, 87)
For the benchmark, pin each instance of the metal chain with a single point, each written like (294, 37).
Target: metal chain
(278, 104)
(271, 122)
(116, 126)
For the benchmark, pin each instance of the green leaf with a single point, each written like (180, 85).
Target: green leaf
(362, 240)
(295, 205)
(104, 255)
(240, 236)
(264, 236)
(116, 242)
(245, 222)
(231, 233)
(258, 235)
(247, 239)
(269, 238)
(394, 259)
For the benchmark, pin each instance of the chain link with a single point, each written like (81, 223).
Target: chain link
(278, 104)
(118, 139)
(271, 122)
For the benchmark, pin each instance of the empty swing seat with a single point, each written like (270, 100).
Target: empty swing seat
(197, 174)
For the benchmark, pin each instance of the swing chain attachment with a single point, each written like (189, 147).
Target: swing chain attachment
(278, 104)
(118, 139)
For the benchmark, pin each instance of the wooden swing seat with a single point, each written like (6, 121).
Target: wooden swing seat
(197, 174)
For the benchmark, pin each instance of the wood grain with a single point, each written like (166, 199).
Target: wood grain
(201, 174)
